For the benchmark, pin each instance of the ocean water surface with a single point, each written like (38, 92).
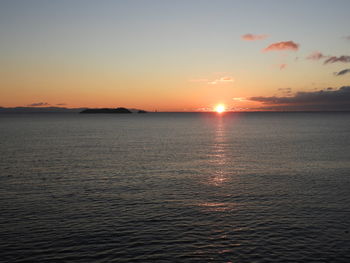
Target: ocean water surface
(175, 187)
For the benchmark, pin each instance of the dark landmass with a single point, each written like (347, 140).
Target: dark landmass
(39, 110)
(137, 110)
(107, 110)
(67, 110)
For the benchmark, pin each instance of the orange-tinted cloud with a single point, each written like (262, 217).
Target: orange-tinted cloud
(284, 45)
(226, 79)
(221, 80)
(239, 99)
(212, 81)
(333, 59)
(252, 37)
(283, 66)
(316, 56)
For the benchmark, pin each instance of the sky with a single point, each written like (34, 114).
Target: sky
(183, 55)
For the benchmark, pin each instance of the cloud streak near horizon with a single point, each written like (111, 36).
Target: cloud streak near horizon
(38, 104)
(330, 99)
(221, 80)
(225, 79)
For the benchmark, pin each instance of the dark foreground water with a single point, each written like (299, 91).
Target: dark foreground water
(257, 187)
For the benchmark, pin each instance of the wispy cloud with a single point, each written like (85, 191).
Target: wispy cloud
(329, 99)
(38, 104)
(226, 79)
(316, 56)
(204, 109)
(284, 45)
(221, 80)
(218, 78)
(282, 66)
(252, 37)
(328, 59)
(334, 59)
(61, 104)
(285, 91)
(342, 72)
(239, 99)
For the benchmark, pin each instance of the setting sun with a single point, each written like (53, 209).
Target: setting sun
(220, 108)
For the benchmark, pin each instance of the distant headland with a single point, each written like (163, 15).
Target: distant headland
(68, 110)
(108, 110)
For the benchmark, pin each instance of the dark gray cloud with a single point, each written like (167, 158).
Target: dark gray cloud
(337, 99)
(38, 104)
(328, 59)
(334, 59)
(342, 72)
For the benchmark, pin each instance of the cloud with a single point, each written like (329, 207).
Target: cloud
(285, 45)
(221, 80)
(333, 59)
(252, 37)
(342, 72)
(61, 104)
(203, 109)
(239, 99)
(38, 104)
(226, 79)
(282, 66)
(329, 59)
(211, 81)
(330, 99)
(347, 37)
(316, 56)
(285, 91)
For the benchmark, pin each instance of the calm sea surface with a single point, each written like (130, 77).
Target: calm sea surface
(168, 187)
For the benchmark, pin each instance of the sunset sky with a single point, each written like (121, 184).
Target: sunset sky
(178, 55)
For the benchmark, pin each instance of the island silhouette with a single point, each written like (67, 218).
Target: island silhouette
(119, 110)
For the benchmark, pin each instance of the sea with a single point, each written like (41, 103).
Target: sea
(175, 187)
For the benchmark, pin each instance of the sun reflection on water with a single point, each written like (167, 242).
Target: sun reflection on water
(218, 154)
(217, 206)
(219, 177)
